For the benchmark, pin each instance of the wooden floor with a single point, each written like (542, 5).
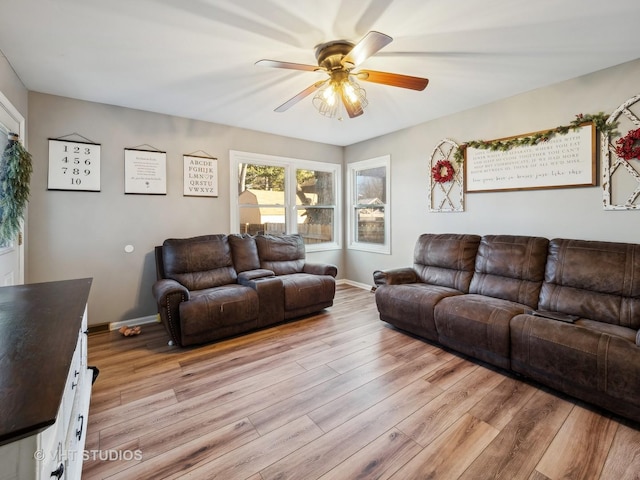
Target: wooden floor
(339, 395)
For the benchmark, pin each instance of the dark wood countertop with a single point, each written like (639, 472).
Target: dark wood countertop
(39, 325)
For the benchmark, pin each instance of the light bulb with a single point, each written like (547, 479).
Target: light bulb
(350, 92)
(329, 95)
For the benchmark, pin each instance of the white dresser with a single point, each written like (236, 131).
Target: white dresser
(45, 382)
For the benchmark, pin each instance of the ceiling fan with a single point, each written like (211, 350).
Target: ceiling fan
(339, 59)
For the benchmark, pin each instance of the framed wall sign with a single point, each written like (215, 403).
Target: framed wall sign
(562, 161)
(145, 171)
(74, 165)
(200, 176)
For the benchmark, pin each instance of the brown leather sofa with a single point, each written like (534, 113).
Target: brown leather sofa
(565, 313)
(215, 286)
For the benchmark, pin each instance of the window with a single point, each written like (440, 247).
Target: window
(368, 193)
(284, 195)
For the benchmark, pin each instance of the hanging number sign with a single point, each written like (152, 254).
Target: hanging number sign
(74, 165)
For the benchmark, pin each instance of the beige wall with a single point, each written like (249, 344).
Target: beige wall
(83, 234)
(12, 88)
(567, 212)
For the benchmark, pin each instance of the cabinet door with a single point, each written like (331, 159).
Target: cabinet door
(77, 433)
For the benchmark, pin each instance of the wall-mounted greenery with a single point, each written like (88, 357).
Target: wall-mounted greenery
(598, 119)
(15, 174)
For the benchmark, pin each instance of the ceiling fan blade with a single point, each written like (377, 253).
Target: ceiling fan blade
(288, 65)
(393, 79)
(369, 45)
(305, 93)
(353, 109)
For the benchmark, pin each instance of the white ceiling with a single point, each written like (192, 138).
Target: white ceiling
(195, 58)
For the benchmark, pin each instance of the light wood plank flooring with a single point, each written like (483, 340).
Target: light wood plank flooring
(338, 395)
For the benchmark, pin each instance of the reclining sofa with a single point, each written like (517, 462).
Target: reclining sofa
(565, 313)
(216, 286)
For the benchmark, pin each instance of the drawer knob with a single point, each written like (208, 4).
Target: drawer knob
(58, 472)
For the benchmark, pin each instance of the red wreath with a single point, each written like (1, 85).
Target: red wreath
(438, 176)
(628, 147)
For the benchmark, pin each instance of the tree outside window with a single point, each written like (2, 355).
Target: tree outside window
(287, 196)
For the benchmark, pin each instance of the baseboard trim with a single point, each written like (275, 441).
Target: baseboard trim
(134, 321)
(98, 328)
(344, 281)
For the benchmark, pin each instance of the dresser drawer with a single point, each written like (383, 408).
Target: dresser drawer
(77, 431)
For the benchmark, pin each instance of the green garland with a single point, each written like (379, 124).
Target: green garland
(15, 174)
(599, 120)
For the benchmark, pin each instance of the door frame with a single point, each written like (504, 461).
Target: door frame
(8, 111)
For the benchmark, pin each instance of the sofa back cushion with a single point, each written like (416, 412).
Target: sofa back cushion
(511, 268)
(596, 280)
(446, 259)
(199, 262)
(283, 254)
(244, 252)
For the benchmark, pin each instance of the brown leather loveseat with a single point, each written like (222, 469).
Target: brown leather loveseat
(565, 313)
(215, 286)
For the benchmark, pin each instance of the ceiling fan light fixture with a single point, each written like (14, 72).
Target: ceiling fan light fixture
(329, 99)
(325, 100)
(341, 92)
(329, 94)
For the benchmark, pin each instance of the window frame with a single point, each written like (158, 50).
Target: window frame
(352, 171)
(290, 165)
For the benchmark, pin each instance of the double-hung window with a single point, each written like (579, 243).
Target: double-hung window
(276, 195)
(368, 194)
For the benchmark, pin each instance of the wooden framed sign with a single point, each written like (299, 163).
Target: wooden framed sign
(145, 171)
(567, 160)
(74, 165)
(200, 176)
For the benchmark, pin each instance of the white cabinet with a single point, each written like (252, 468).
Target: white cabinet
(55, 451)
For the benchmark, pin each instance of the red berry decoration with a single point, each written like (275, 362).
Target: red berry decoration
(628, 147)
(442, 171)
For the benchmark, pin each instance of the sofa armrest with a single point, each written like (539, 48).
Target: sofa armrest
(320, 269)
(395, 276)
(249, 275)
(270, 296)
(169, 294)
(165, 287)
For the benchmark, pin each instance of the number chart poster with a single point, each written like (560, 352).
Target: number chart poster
(74, 166)
(145, 172)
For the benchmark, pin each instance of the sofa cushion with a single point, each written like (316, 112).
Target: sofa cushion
(511, 268)
(477, 326)
(199, 262)
(410, 306)
(302, 290)
(612, 330)
(596, 280)
(218, 313)
(283, 254)
(244, 252)
(579, 360)
(447, 260)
